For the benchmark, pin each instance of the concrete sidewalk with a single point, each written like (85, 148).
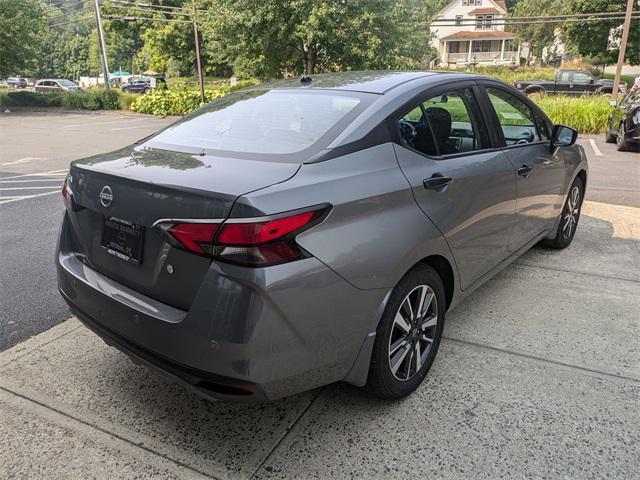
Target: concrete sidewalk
(539, 376)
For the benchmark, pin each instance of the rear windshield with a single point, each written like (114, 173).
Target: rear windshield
(66, 83)
(265, 122)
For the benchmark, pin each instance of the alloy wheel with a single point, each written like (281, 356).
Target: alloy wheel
(413, 332)
(620, 138)
(571, 212)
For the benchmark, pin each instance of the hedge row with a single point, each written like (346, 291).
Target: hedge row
(586, 114)
(180, 100)
(90, 99)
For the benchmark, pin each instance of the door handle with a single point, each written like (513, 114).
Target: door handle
(437, 182)
(524, 171)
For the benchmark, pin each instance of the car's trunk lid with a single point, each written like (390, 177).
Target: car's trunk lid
(136, 187)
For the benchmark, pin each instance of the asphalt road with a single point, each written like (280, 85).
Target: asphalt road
(35, 151)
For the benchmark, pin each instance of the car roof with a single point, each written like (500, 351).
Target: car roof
(378, 82)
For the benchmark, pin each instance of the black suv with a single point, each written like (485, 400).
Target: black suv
(16, 82)
(623, 126)
(143, 84)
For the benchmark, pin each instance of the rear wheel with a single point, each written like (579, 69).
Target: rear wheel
(569, 217)
(534, 91)
(408, 336)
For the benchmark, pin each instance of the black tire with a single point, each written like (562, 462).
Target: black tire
(534, 91)
(622, 144)
(146, 90)
(383, 382)
(609, 138)
(566, 232)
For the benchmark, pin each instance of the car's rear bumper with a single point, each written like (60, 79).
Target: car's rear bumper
(250, 334)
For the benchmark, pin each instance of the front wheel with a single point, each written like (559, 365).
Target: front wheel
(569, 217)
(622, 144)
(408, 336)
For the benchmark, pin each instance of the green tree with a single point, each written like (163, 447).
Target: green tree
(592, 38)
(538, 35)
(21, 22)
(264, 38)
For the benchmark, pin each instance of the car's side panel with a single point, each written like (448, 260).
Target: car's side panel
(375, 232)
(475, 212)
(540, 193)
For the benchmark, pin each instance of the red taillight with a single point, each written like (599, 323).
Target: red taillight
(66, 191)
(261, 232)
(254, 244)
(196, 237)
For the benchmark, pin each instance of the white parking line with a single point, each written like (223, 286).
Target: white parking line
(29, 181)
(106, 122)
(22, 160)
(4, 200)
(27, 188)
(595, 148)
(53, 173)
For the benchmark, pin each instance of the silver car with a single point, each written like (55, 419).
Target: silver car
(304, 232)
(55, 85)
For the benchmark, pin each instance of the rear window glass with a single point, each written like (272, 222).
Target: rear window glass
(262, 121)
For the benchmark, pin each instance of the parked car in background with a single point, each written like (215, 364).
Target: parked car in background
(55, 85)
(143, 84)
(299, 233)
(623, 126)
(569, 82)
(16, 82)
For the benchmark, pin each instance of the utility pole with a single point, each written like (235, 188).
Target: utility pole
(103, 50)
(195, 34)
(623, 47)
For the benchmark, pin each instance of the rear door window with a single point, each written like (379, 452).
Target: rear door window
(516, 119)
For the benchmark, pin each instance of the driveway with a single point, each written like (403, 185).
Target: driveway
(538, 377)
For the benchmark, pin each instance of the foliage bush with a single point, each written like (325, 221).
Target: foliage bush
(511, 74)
(180, 100)
(30, 99)
(586, 114)
(90, 99)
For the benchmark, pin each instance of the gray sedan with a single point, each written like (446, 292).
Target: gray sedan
(305, 232)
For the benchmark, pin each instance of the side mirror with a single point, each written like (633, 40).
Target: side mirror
(613, 103)
(563, 136)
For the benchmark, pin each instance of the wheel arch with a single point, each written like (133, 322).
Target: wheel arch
(359, 371)
(582, 175)
(445, 271)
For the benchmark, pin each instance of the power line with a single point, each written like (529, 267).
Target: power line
(66, 14)
(57, 4)
(536, 17)
(131, 18)
(78, 20)
(495, 22)
(142, 10)
(149, 5)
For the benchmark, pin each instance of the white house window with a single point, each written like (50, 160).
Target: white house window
(465, 2)
(458, 19)
(484, 22)
(472, 2)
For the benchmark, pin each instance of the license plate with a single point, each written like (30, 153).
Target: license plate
(123, 239)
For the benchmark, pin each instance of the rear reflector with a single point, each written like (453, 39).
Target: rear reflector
(247, 243)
